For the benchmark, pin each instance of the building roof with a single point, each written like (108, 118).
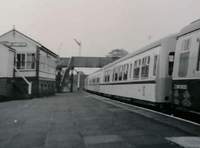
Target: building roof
(34, 41)
(190, 28)
(8, 47)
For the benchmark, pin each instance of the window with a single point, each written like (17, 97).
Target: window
(145, 67)
(186, 44)
(183, 64)
(155, 65)
(184, 58)
(171, 63)
(30, 61)
(125, 76)
(116, 74)
(107, 76)
(113, 75)
(127, 68)
(25, 61)
(120, 73)
(198, 57)
(130, 71)
(98, 80)
(20, 61)
(136, 69)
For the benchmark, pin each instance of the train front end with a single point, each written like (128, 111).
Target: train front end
(186, 72)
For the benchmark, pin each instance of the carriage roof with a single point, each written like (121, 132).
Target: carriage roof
(190, 28)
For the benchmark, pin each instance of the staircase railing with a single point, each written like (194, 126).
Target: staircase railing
(27, 82)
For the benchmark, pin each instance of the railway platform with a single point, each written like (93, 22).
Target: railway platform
(83, 120)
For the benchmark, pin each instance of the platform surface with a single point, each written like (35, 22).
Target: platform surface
(78, 120)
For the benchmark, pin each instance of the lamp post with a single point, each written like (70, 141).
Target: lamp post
(80, 45)
(71, 73)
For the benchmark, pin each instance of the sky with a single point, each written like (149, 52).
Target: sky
(100, 25)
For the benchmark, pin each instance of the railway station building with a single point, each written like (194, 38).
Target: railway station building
(29, 68)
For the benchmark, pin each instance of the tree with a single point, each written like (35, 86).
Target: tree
(117, 53)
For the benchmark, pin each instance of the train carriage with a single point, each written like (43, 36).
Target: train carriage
(92, 81)
(143, 76)
(186, 72)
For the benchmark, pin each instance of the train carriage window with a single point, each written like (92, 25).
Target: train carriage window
(104, 76)
(125, 76)
(186, 44)
(183, 64)
(124, 72)
(108, 75)
(139, 62)
(130, 71)
(127, 71)
(120, 73)
(198, 58)
(148, 59)
(145, 67)
(136, 69)
(113, 75)
(133, 69)
(155, 65)
(116, 74)
(170, 63)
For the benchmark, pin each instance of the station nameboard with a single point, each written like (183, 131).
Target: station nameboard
(14, 44)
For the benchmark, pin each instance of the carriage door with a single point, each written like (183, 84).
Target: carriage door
(184, 58)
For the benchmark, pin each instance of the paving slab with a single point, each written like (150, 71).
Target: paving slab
(77, 120)
(188, 142)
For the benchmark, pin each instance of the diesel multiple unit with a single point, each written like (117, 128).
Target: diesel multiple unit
(166, 72)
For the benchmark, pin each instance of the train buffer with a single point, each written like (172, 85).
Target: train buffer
(83, 120)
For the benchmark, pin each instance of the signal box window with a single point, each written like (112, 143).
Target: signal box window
(30, 61)
(25, 61)
(20, 61)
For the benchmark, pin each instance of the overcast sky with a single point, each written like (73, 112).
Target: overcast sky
(101, 25)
